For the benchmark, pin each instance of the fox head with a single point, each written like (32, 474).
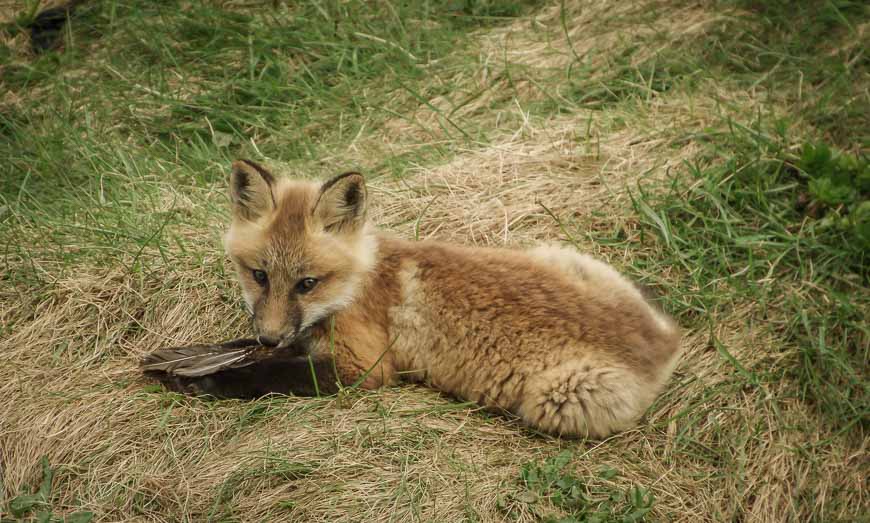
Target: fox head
(301, 248)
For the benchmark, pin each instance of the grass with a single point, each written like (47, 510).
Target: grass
(714, 151)
(579, 501)
(787, 236)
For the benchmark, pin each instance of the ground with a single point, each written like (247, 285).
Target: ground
(715, 151)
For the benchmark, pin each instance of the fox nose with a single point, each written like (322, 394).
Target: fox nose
(269, 341)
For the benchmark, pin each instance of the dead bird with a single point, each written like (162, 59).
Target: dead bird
(241, 368)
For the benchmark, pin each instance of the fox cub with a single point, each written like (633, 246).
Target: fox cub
(555, 337)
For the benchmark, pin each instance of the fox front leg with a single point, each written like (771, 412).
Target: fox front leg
(297, 375)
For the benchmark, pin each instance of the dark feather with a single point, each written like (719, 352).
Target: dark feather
(241, 369)
(46, 29)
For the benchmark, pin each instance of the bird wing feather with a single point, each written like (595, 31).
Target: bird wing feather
(198, 360)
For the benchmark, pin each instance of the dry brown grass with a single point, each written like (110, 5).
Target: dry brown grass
(713, 448)
(573, 166)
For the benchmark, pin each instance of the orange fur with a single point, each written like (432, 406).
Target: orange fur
(557, 338)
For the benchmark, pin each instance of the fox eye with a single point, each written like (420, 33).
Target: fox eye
(260, 276)
(305, 285)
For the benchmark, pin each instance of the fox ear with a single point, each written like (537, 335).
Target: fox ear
(251, 190)
(341, 206)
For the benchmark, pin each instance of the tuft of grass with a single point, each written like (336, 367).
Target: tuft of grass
(593, 500)
(38, 504)
(270, 466)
